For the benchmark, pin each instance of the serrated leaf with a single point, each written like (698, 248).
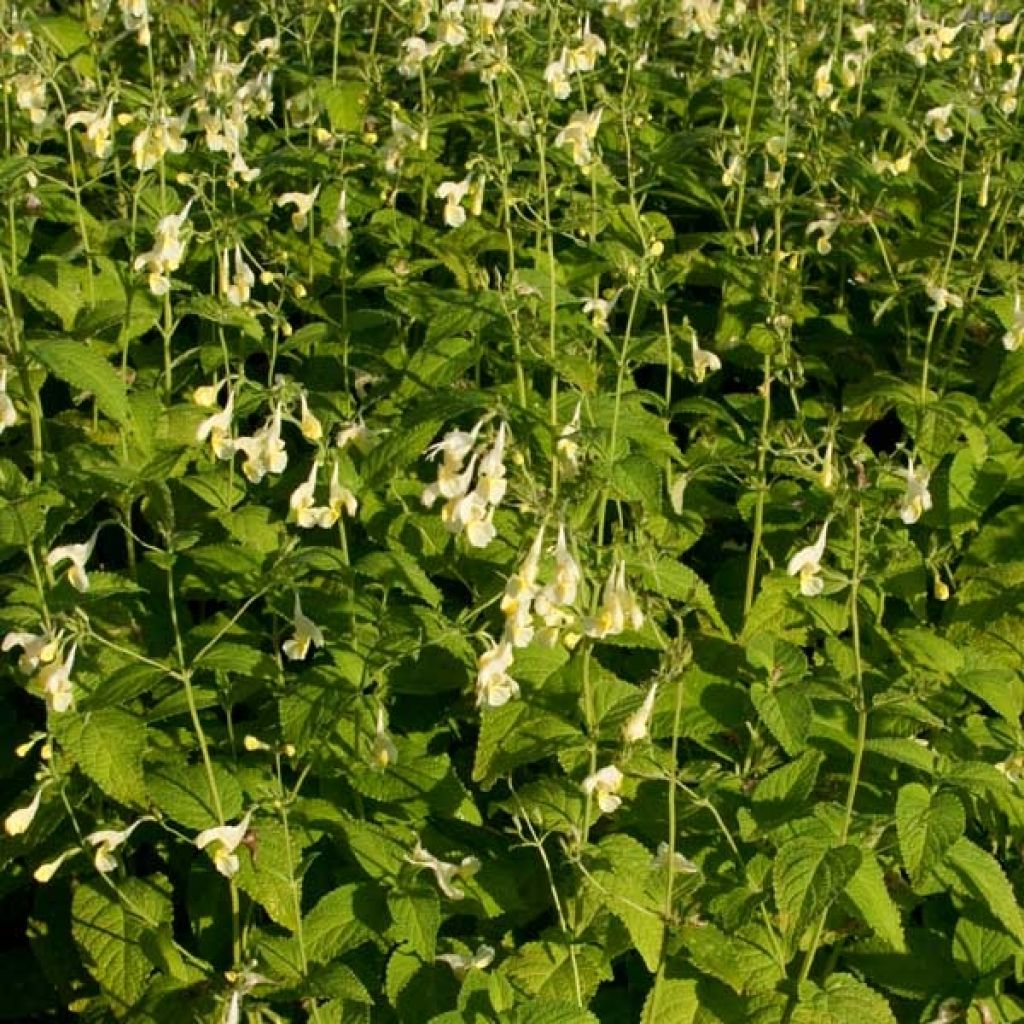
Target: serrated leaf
(552, 1013)
(417, 918)
(785, 791)
(743, 961)
(85, 369)
(843, 1000)
(623, 876)
(108, 933)
(342, 920)
(270, 875)
(981, 877)
(671, 1001)
(867, 891)
(182, 792)
(399, 569)
(109, 746)
(808, 875)
(927, 824)
(786, 712)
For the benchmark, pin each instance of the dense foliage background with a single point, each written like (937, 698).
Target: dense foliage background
(511, 511)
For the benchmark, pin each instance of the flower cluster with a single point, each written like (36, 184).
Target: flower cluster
(469, 508)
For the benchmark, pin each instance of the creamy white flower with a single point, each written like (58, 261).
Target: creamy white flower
(106, 842)
(306, 633)
(806, 564)
(358, 434)
(567, 447)
(415, 51)
(236, 287)
(938, 120)
(823, 80)
(303, 203)
(456, 444)
(98, 124)
(302, 503)
(309, 425)
(162, 135)
(578, 134)
(917, 499)
(338, 498)
(520, 590)
(48, 869)
(54, 680)
(383, 752)
(556, 75)
(491, 483)
(206, 395)
(605, 784)
(8, 414)
(679, 864)
(591, 46)
(265, 451)
(472, 515)
(825, 228)
(30, 96)
(167, 252)
(77, 555)
(562, 591)
(598, 310)
(225, 840)
(453, 193)
(446, 873)
(19, 821)
(624, 10)
(36, 648)
(704, 360)
(733, 170)
(637, 726)
(1014, 335)
(942, 299)
(218, 429)
(494, 686)
(618, 609)
(450, 28)
(850, 70)
(489, 11)
(462, 965)
(338, 232)
(135, 16)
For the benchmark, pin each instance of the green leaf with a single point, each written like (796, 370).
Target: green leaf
(399, 569)
(345, 103)
(271, 874)
(83, 368)
(623, 878)
(109, 935)
(417, 918)
(980, 876)
(744, 961)
(786, 712)
(517, 734)
(843, 1000)
(809, 874)
(182, 792)
(544, 970)
(552, 1013)
(343, 919)
(867, 891)
(109, 746)
(785, 792)
(671, 1001)
(927, 824)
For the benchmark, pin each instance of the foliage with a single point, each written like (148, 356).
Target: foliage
(511, 511)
